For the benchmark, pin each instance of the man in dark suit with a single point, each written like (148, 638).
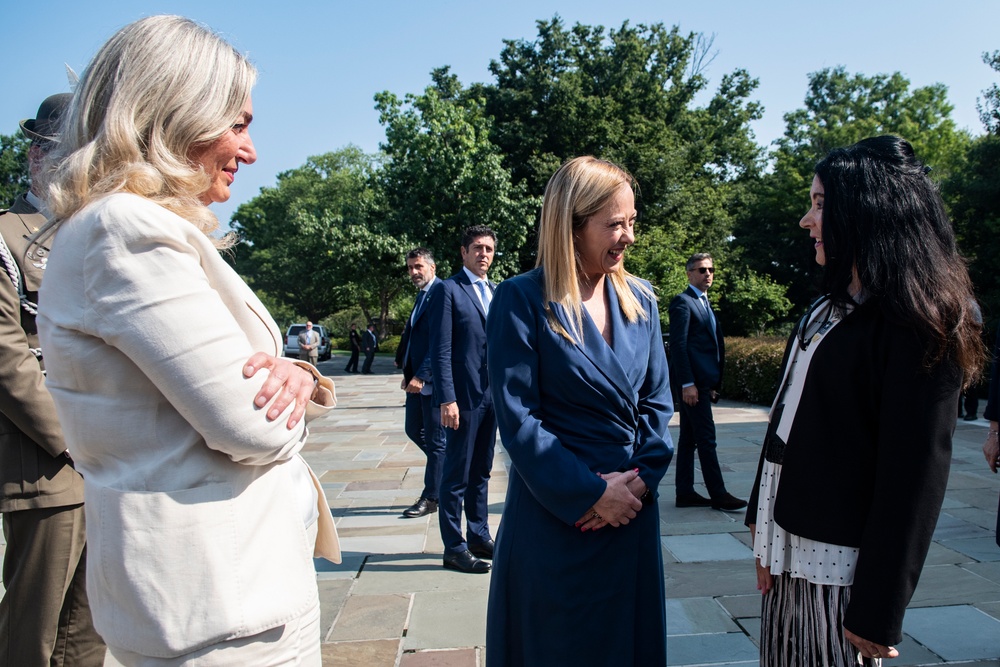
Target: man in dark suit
(352, 363)
(369, 343)
(461, 389)
(44, 614)
(423, 415)
(697, 358)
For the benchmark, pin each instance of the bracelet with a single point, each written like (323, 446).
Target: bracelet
(992, 433)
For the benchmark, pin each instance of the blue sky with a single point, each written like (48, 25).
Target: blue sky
(321, 62)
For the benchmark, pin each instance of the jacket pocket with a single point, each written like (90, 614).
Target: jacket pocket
(164, 568)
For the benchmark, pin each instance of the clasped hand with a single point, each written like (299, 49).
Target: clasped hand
(619, 503)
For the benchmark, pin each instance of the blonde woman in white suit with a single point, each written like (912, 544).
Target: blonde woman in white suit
(201, 515)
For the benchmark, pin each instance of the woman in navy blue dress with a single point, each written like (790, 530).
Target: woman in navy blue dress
(580, 383)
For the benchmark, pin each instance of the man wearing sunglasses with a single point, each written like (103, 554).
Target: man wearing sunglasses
(697, 357)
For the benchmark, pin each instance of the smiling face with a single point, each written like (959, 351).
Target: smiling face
(600, 243)
(813, 220)
(479, 255)
(221, 159)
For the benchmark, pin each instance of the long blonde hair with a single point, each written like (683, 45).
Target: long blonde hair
(580, 188)
(158, 88)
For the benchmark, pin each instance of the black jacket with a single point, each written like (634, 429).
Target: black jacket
(867, 458)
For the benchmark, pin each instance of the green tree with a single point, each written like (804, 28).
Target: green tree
(14, 178)
(442, 174)
(989, 104)
(317, 242)
(628, 95)
(840, 109)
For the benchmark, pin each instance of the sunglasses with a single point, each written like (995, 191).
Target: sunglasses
(704, 269)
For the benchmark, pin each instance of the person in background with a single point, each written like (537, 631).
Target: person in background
(369, 345)
(855, 461)
(355, 343)
(423, 417)
(309, 345)
(697, 359)
(582, 392)
(203, 518)
(44, 614)
(461, 390)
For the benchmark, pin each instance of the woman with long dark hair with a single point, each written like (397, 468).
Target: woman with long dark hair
(855, 462)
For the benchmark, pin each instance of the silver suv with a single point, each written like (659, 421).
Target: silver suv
(292, 340)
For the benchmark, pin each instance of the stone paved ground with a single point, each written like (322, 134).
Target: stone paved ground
(391, 604)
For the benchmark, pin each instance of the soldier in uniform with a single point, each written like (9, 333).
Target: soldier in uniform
(44, 614)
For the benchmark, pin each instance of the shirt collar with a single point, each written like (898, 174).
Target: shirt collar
(429, 283)
(473, 278)
(697, 291)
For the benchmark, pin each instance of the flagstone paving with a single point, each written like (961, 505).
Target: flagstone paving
(392, 604)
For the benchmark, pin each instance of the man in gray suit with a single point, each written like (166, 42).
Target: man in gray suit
(309, 345)
(44, 614)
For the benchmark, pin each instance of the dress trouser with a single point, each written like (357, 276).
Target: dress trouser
(468, 461)
(44, 615)
(423, 426)
(352, 363)
(698, 433)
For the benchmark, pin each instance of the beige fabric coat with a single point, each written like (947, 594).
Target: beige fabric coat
(195, 517)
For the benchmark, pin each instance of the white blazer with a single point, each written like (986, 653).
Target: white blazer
(196, 505)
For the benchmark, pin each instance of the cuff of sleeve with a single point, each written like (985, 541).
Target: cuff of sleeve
(325, 393)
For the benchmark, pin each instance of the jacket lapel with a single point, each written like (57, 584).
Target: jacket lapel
(467, 287)
(594, 347)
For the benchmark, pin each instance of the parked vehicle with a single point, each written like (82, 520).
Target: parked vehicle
(292, 340)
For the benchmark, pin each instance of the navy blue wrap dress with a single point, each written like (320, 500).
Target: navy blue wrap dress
(567, 412)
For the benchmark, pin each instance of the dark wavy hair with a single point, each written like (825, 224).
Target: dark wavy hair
(883, 218)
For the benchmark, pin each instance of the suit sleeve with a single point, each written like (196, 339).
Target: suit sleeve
(403, 340)
(916, 423)
(656, 407)
(150, 299)
(680, 322)
(562, 483)
(23, 397)
(440, 312)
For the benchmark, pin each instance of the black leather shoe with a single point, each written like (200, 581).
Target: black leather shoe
(422, 507)
(482, 549)
(728, 503)
(466, 562)
(692, 499)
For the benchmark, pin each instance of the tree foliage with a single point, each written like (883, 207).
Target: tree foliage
(989, 104)
(14, 178)
(316, 241)
(442, 174)
(840, 109)
(628, 96)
